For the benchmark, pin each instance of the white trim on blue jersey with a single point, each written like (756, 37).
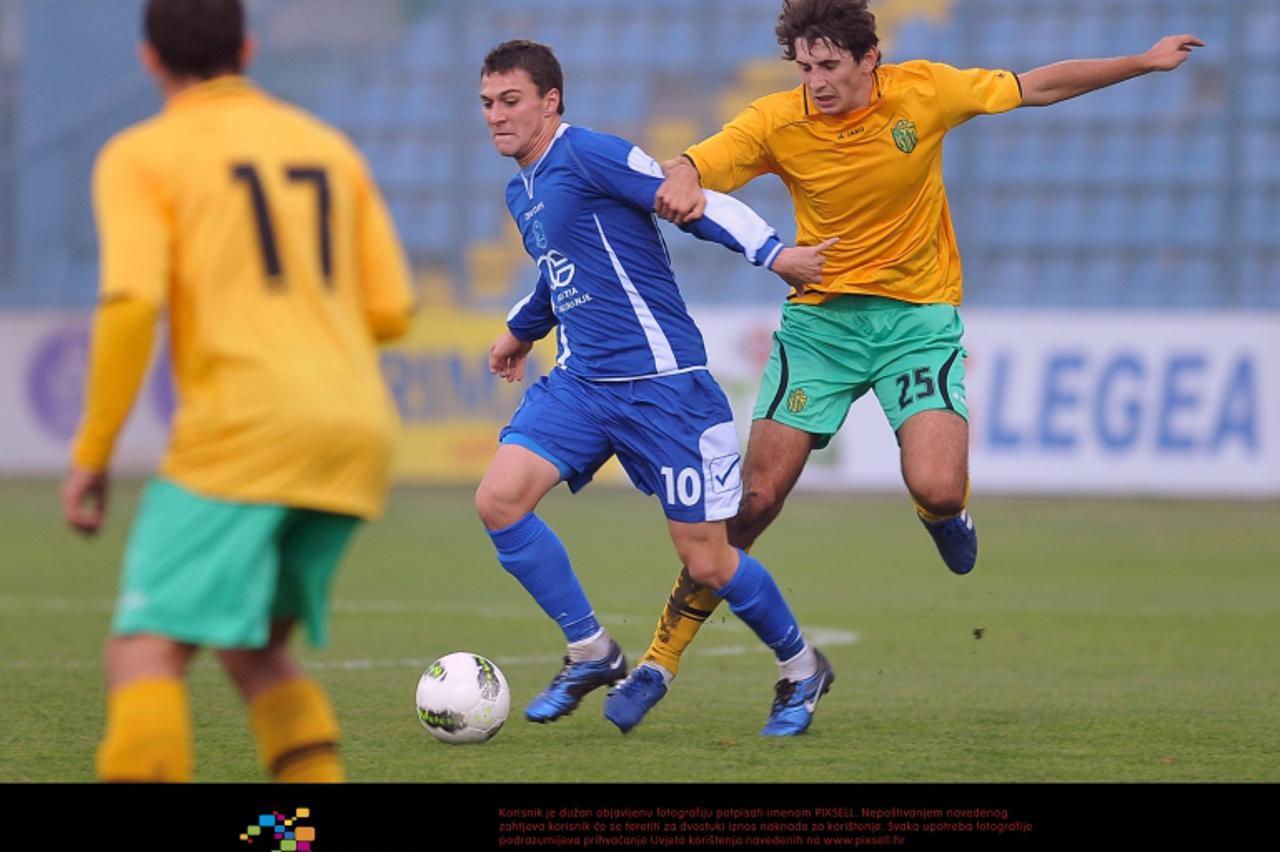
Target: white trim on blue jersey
(565, 349)
(519, 306)
(649, 376)
(527, 179)
(744, 224)
(664, 360)
(641, 162)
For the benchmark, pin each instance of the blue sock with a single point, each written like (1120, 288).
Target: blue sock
(533, 554)
(754, 597)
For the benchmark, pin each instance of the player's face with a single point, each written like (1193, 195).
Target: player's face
(835, 81)
(518, 117)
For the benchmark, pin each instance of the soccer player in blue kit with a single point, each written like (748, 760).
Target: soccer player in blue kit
(630, 380)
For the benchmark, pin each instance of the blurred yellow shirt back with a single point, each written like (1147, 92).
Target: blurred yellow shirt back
(261, 231)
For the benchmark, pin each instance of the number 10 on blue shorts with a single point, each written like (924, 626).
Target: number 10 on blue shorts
(673, 435)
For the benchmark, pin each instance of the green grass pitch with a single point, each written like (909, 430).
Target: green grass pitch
(1098, 640)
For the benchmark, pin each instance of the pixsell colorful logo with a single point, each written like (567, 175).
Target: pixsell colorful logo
(279, 833)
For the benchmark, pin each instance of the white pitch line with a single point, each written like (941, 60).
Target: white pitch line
(341, 606)
(358, 607)
(57, 604)
(390, 607)
(825, 637)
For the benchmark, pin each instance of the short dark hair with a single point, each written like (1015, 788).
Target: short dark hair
(535, 59)
(196, 38)
(847, 24)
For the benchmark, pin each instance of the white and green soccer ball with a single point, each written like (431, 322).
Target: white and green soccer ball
(463, 698)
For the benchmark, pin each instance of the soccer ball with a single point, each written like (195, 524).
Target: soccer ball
(463, 698)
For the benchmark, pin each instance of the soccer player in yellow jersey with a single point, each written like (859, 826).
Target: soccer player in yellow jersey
(260, 233)
(858, 145)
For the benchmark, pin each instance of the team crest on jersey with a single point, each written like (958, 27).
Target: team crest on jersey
(559, 269)
(904, 136)
(797, 400)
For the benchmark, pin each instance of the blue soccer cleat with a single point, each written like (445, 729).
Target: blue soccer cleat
(957, 542)
(795, 700)
(626, 705)
(573, 682)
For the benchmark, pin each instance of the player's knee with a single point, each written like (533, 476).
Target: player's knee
(254, 671)
(712, 567)
(758, 509)
(495, 509)
(760, 502)
(144, 655)
(939, 495)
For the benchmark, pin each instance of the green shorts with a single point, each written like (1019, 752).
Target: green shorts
(826, 356)
(217, 573)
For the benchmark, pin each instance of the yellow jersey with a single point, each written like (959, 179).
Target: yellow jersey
(872, 177)
(261, 232)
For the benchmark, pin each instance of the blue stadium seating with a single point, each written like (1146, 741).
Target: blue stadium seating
(1126, 197)
(1258, 284)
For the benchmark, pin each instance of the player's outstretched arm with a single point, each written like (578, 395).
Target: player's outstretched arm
(1050, 84)
(680, 199)
(800, 266)
(627, 174)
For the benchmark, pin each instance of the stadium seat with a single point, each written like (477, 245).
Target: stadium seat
(1261, 31)
(1258, 285)
(1124, 175)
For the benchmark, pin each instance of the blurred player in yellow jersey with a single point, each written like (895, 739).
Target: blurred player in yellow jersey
(859, 147)
(260, 233)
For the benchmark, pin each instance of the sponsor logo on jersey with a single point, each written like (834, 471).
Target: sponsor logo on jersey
(559, 269)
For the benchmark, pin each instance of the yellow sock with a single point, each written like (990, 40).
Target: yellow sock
(148, 734)
(935, 519)
(687, 608)
(297, 733)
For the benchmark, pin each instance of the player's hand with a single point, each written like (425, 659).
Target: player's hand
(800, 266)
(680, 198)
(84, 499)
(1170, 52)
(507, 357)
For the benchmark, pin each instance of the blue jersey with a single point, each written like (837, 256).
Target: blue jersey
(585, 213)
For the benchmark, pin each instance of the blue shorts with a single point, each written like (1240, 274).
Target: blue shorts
(673, 435)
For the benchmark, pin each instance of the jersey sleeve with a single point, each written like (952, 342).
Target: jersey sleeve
(728, 221)
(624, 171)
(965, 93)
(734, 156)
(532, 317)
(122, 340)
(134, 225)
(617, 168)
(382, 275)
